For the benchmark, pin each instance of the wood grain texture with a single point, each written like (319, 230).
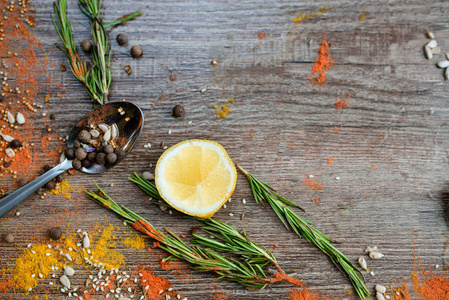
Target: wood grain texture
(391, 148)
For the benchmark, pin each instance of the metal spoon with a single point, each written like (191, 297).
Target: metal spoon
(129, 120)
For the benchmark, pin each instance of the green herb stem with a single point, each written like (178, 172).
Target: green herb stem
(123, 19)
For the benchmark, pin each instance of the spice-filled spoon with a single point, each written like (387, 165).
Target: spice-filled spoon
(118, 122)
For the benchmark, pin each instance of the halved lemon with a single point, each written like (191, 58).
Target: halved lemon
(196, 177)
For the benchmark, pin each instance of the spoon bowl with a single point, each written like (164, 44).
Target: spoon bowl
(129, 119)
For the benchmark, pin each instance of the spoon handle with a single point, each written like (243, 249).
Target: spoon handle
(12, 200)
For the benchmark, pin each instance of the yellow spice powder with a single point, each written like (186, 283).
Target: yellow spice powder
(136, 241)
(64, 189)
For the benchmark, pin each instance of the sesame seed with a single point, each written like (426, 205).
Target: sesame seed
(231, 214)
(337, 178)
(311, 176)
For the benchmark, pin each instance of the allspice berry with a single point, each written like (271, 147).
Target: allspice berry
(122, 39)
(120, 153)
(178, 111)
(84, 136)
(80, 153)
(91, 156)
(9, 238)
(86, 163)
(86, 46)
(15, 143)
(55, 233)
(76, 164)
(76, 143)
(136, 51)
(70, 153)
(108, 149)
(111, 158)
(100, 158)
(50, 185)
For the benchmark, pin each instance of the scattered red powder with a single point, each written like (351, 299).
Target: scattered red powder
(283, 277)
(336, 129)
(322, 63)
(261, 36)
(274, 247)
(154, 283)
(305, 294)
(342, 103)
(330, 160)
(219, 296)
(312, 184)
(430, 286)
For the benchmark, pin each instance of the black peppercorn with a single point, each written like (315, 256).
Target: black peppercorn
(76, 143)
(120, 153)
(59, 178)
(108, 149)
(15, 143)
(9, 238)
(50, 185)
(136, 51)
(70, 153)
(122, 39)
(86, 163)
(86, 46)
(99, 149)
(84, 136)
(52, 117)
(178, 111)
(91, 156)
(6, 165)
(76, 164)
(47, 168)
(111, 158)
(80, 153)
(100, 158)
(55, 233)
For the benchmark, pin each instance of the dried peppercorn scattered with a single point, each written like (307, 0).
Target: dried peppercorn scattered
(91, 156)
(55, 233)
(84, 136)
(122, 39)
(9, 238)
(70, 153)
(128, 70)
(51, 185)
(136, 51)
(108, 149)
(111, 158)
(80, 153)
(100, 158)
(76, 164)
(47, 168)
(86, 46)
(178, 111)
(15, 143)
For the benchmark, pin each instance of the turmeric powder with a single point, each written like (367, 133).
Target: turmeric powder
(322, 63)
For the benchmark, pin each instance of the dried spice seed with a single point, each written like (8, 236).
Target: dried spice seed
(375, 255)
(15, 144)
(9, 238)
(91, 156)
(86, 163)
(76, 164)
(80, 153)
(128, 70)
(136, 51)
(51, 185)
(100, 158)
(122, 39)
(108, 149)
(443, 64)
(380, 288)
(178, 111)
(84, 136)
(111, 158)
(55, 233)
(86, 46)
(76, 143)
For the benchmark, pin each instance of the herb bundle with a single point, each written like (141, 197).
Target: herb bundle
(261, 191)
(248, 273)
(96, 79)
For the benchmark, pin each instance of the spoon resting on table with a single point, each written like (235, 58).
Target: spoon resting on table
(128, 118)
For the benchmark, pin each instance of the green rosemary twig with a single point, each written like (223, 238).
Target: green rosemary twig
(145, 186)
(302, 227)
(79, 68)
(123, 19)
(205, 260)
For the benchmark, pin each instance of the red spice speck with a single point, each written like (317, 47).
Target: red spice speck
(312, 184)
(261, 36)
(330, 161)
(342, 103)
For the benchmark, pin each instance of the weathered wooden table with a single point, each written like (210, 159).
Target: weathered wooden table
(389, 145)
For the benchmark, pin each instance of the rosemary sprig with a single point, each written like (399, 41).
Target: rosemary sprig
(302, 227)
(123, 19)
(145, 186)
(79, 68)
(205, 260)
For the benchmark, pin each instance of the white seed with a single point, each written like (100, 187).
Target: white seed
(68, 257)
(447, 55)
(203, 90)
(18, 213)
(370, 248)
(41, 276)
(362, 263)
(10, 152)
(65, 281)
(190, 122)
(443, 64)
(62, 157)
(224, 205)
(428, 52)
(379, 296)
(103, 127)
(29, 290)
(47, 254)
(32, 251)
(446, 73)
(94, 133)
(371, 273)
(107, 135)
(69, 271)
(114, 131)
(86, 242)
(375, 255)
(20, 118)
(7, 138)
(231, 214)
(380, 289)
(436, 50)
(310, 176)
(148, 175)
(337, 178)
(169, 131)
(11, 118)
(437, 266)
(432, 44)
(50, 283)
(33, 275)
(165, 147)
(430, 35)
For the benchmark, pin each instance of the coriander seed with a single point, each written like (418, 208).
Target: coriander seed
(136, 51)
(86, 46)
(9, 238)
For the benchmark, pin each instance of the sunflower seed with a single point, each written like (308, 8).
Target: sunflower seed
(11, 118)
(20, 118)
(68, 256)
(69, 271)
(432, 44)
(436, 50)
(430, 35)
(115, 131)
(10, 152)
(107, 134)
(380, 289)
(362, 263)
(148, 175)
(7, 138)
(370, 248)
(428, 52)
(446, 73)
(62, 157)
(94, 133)
(65, 281)
(443, 64)
(379, 296)
(103, 127)
(86, 241)
(375, 255)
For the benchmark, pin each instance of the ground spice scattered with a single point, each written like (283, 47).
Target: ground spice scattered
(307, 16)
(261, 36)
(102, 251)
(430, 285)
(322, 63)
(342, 103)
(330, 161)
(222, 111)
(153, 283)
(219, 296)
(283, 277)
(305, 294)
(136, 241)
(312, 184)
(64, 189)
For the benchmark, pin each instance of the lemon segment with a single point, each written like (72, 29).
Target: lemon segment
(196, 177)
